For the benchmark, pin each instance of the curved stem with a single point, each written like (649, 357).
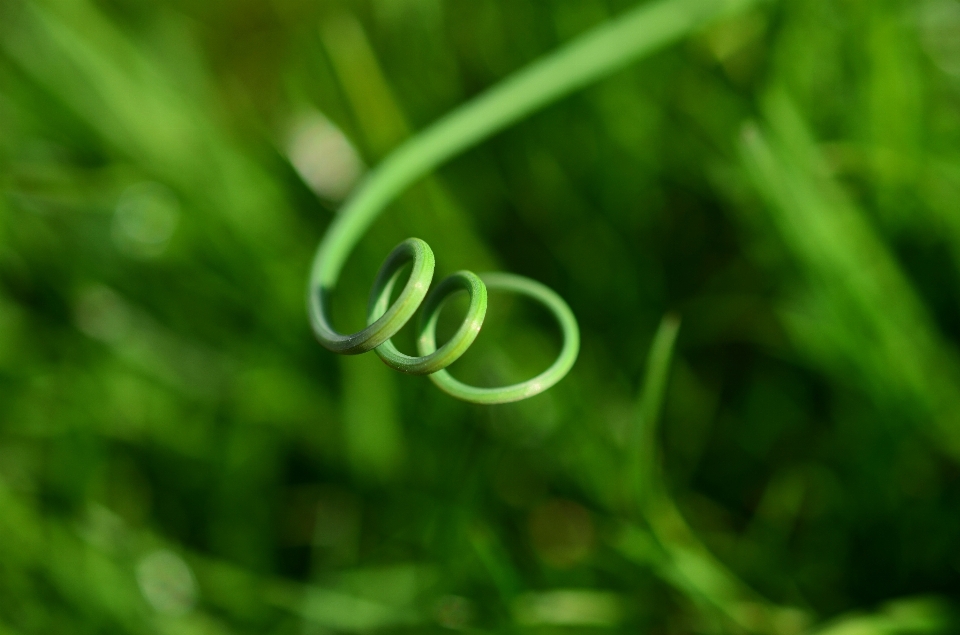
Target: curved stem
(587, 58)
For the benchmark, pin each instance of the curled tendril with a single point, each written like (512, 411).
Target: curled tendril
(385, 320)
(587, 58)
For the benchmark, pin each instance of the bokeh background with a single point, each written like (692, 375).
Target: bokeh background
(178, 455)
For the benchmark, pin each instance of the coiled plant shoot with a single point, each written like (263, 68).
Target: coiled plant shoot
(586, 59)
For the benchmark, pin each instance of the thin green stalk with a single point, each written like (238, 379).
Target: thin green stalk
(643, 464)
(586, 59)
(670, 546)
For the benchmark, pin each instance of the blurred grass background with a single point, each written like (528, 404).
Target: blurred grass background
(177, 454)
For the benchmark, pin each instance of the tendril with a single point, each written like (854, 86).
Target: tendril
(385, 320)
(587, 58)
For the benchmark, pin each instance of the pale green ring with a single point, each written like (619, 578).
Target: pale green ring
(426, 344)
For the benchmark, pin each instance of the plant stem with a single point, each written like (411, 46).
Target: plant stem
(586, 59)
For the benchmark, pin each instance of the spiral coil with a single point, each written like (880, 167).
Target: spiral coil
(585, 59)
(385, 320)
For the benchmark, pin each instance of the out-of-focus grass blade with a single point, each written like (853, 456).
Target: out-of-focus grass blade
(428, 211)
(860, 313)
(671, 547)
(95, 568)
(81, 577)
(643, 450)
(351, 614)
(361, 601)
(906, 616)
(136, 106)
(570, 607)
(496, 561)
(374, 436)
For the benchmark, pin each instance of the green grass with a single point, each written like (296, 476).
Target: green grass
(179, 455)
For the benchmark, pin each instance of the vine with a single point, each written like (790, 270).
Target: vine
(584, 60)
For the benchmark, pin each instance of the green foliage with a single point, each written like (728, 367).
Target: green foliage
(179, 455)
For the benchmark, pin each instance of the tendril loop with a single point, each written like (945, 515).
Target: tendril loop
(384, 320)
(435, 359)
(585, 59)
